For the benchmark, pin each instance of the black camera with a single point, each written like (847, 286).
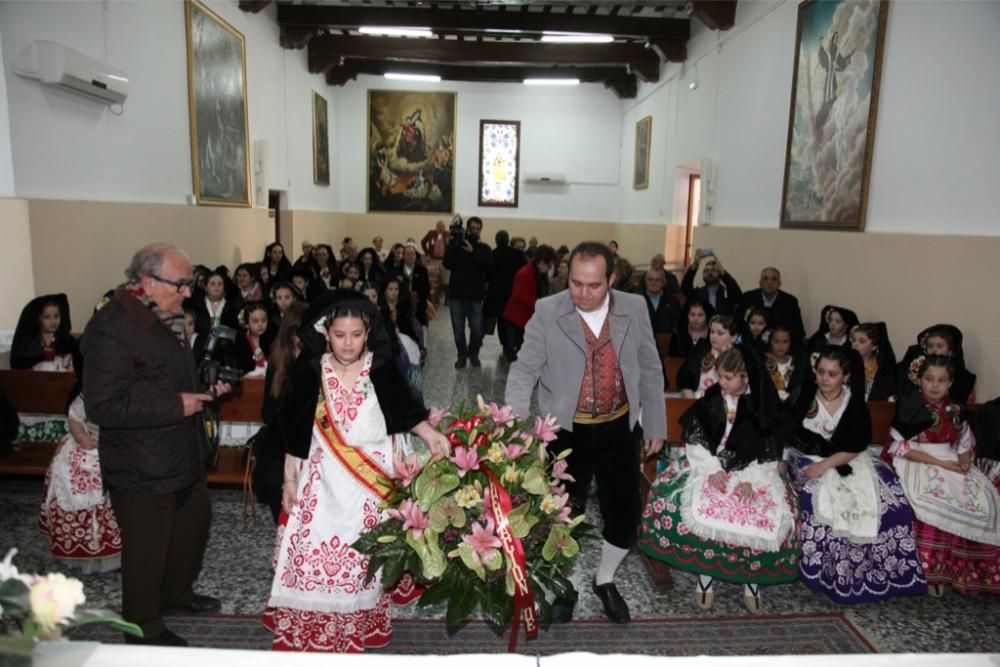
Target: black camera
(456, 232)
(213, 370)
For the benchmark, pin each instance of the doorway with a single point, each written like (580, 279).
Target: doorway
(693, 207)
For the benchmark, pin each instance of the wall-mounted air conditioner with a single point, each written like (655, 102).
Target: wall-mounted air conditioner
(545, 178)
(55, 65)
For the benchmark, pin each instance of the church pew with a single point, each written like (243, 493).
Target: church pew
(34, 392)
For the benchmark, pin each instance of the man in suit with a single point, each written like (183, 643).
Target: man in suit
(720, 289)
(781, 307)
(593, 357)
(663, 308)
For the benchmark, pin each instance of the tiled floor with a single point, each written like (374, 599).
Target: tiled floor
(237, 564)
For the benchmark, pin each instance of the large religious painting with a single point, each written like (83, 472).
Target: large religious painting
(831, 127)
(217, 101)
(321, 141)
(411, 151)
(640, 160)
(499, 162)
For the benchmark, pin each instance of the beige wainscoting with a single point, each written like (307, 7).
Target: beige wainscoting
(909, 281)
(15, 257)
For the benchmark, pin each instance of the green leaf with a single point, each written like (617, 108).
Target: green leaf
(445, 512)
(521, 522)
(82, 617)
(563, 454)
(20, 646)
(542, 606)
(433, 483)
(465, 552)
(535, 481)
(494, 561)
(437, 593)
(497, 607)
(558, 542)
(462, 602)
(391, 573)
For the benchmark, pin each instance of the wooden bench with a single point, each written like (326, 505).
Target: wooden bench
(36, 392)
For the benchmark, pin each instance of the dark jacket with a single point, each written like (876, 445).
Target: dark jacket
(818, 340)
(964, 382)
(26, 349)
(750, 440)
(853, 432)
(507, 262)
(785, 310)
(419, 283)
(681, 343)
(727, 298)
(136, 370)
(469, 271)
(665, 317)
(230, 316)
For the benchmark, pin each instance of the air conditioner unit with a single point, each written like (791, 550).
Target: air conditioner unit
(55, 65)
(546, 177)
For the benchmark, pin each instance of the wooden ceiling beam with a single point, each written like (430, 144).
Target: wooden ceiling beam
(327, 51)
(479, 20)
(716, 14)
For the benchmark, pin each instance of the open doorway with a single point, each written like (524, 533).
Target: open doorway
(274, 212)
(693, 207)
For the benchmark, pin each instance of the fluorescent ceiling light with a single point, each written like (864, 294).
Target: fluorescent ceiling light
(575, 38)
(386, 31)
(552, 82)
(412, 77)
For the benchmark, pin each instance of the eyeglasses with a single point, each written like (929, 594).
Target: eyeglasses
(179, 284)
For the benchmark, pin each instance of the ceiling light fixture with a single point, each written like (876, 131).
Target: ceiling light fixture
(575, 38)
(402, 76)
(552, 82)
(388, 31)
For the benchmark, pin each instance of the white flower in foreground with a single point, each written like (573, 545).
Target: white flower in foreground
(54, 598)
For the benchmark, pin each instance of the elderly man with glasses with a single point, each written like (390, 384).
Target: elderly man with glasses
(141, 387)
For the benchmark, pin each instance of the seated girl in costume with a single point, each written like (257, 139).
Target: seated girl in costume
(723, 511)
(327, 264)
(943, 340)
(283, 295)
(785, 362)
(692, 327)
(399, 318)
(246, 280)
(76, 512)
(835, 324)
(698, 372)
(42, 340)
(956, 507)
(871, 341)
(253, 342)
(856, 526)
(757, 327)
(345, 410)
(306, 282)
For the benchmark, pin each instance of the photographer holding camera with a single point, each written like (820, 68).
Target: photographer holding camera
(142, 389)
(469, 261)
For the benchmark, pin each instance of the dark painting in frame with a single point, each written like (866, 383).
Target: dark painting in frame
(640, 164)
(217, 101)
(321, 140)
(499, 162)
(411, 151)
(834, 105)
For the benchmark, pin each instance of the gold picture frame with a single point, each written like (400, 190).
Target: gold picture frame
(640, 163)
(321, 140)
(410, 154)
(217, 107)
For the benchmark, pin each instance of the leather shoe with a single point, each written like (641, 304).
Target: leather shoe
(562, 610)
(165, 638)
(614, 604)
(202, 604)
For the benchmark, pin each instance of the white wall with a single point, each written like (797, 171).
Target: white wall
(936, 162)
(6, 161)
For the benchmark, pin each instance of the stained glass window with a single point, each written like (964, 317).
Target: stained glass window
(499, 157)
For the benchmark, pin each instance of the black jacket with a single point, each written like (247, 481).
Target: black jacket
(785, 310)
(750, 440)
(419, 283)
(681, 344)
(853, 432)
(26, 349)
(965, 380)
(469, 271)
(727, 298)
(664, 318)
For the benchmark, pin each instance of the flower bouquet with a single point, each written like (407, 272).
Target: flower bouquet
(490, 527)
(42, 607)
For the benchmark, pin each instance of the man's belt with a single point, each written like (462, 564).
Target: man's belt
(587, 418)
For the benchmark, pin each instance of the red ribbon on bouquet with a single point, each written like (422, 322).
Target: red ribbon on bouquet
(524, 601)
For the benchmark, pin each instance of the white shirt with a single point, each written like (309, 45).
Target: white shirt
(595, 318)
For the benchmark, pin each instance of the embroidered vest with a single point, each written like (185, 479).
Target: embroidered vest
(603, 389)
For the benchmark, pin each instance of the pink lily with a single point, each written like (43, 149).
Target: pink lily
(406, 469)
(545, 429)
(436, 415)
(412, 517)
(513, 451)
(559, 471)
(564, 515)
(466, 459)
(501, 415)
(483, 539)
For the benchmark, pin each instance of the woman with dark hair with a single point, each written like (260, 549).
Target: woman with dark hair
(214, 306)
(723, 511)
(371, 267)
(42, 339)
(757, 324)
(871, 341)
(943, 340)
(278, 267)
(692, 327)
(955, 505)
(306, 282)
(395, 259)
(248, 282)
(344, 414)
(283, 295)
(698, 372)
(531, 283)
(857, 528)
(399, 318)
(326, 266)
(835, 324)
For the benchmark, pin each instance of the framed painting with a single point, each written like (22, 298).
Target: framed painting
(217, 103)
(499, 162)
(411, 151)
(321, 141)
(640, 164)
(831, 124)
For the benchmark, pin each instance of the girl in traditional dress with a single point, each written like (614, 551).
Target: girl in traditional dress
(856, 526)
(785, 362)
(253, 343)
(250, 289)
(327, 264)
(957, 508)
(943, 340)
(871, 341)
(76, 512)
(283, 295)
(691, 328)
(723, 511)
(42, 340)
(757, 327)
(339, 464)
(396, 313)
(835, 324)
(698, 372)
(279, 269)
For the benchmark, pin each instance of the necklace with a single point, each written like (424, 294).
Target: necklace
(831, 400)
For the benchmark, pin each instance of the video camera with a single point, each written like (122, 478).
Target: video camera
(211, 370)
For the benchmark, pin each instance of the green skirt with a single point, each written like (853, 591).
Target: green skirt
(665, 536)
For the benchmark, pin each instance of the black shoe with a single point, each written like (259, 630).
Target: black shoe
(475, 362)
(614, 604)
(562, 610)
(202, 604)
(460, 363)
(165, 638)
